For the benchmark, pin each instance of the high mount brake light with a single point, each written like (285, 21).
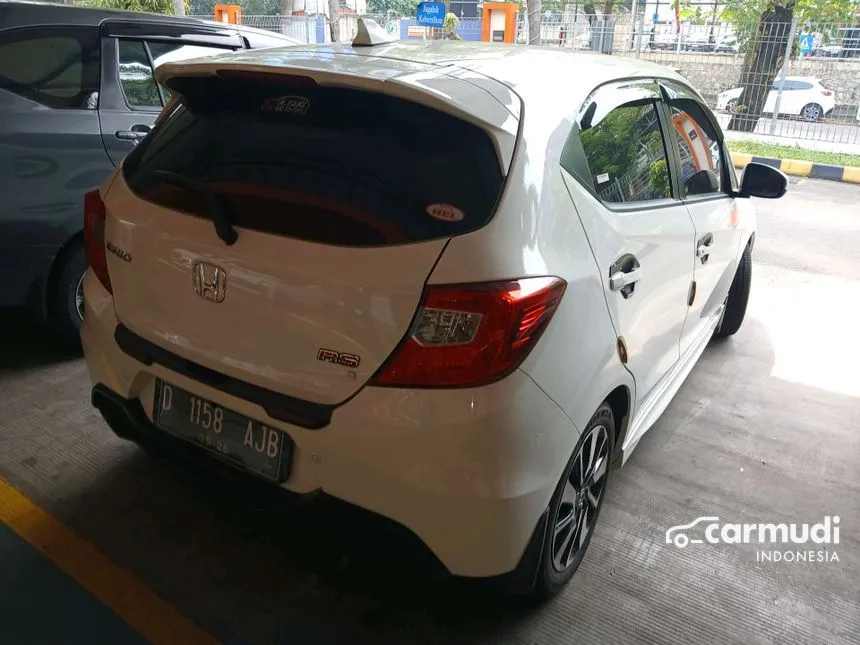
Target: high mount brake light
(472, 334)
(95, 216)
(269, 78)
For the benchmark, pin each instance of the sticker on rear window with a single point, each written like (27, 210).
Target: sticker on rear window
(602, 178)
(287, 104)
(445, 212)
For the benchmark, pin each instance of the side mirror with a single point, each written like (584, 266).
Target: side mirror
(764, 181)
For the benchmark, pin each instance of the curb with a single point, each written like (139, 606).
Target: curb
(848, 174)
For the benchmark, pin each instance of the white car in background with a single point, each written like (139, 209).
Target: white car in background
(802, 96)
(416, 277)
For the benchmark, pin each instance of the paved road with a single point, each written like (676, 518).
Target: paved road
(765, 429)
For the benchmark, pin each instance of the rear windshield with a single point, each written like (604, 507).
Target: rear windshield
(329, 165)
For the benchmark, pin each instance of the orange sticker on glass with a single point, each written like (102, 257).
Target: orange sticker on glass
(445, 212)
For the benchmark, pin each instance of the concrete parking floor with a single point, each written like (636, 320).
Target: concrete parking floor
(764, 430)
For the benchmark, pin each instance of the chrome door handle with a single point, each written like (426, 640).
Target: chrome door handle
(621, 279)
(703, 247)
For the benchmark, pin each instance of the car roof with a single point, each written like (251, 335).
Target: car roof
(19, 14)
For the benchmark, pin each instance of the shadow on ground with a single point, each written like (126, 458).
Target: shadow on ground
(255, 570)
(25, 343)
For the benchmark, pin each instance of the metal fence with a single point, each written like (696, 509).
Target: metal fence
(739, 70)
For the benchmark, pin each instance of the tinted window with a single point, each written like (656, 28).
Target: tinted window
(698, 147)
(135, 76)
(171, 52)
(332, 165)
(58, 67)
(627, 156)
(138, 60)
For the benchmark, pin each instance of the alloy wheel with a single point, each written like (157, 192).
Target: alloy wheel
(583, 493)
(79, 298)
(812, 113)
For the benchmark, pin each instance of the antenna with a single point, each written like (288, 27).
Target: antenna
(369, 33)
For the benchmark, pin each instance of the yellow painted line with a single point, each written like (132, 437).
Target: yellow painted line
(851, 174)
(130, 599)
(795, 167)
(741, 159)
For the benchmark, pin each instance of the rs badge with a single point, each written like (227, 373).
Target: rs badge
(338, 358)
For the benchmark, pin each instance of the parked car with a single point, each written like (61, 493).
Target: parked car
(802, 96)
(728, 45)
(699, 42)
(76, 94)
(297, 281)
(665, 40)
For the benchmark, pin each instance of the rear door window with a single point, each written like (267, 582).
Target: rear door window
(622, 145)
(137, 61)
(136, 78)
(56, 66)
(331, 165)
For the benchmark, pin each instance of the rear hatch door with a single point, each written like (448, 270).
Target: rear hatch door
(340, 198)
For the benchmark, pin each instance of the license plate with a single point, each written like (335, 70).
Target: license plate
(233, 437)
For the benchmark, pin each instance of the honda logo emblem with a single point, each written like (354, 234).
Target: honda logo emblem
(210, 281)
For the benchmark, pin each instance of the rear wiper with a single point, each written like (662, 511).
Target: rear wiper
(219, 218)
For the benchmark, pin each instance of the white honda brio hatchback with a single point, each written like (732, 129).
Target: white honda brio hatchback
(450, 283)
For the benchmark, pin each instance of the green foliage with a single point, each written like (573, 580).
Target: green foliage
(694, 13)
(148, 6)
(401, 8)
(205, 7)
(658, 177)
(794, 152)
(746, 13)
(449, 27)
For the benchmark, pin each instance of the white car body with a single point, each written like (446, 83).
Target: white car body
(469, 470)
(799, 92)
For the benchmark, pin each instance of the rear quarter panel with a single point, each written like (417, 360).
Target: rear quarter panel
(537, 232)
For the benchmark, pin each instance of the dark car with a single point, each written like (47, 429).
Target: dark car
(76, 95)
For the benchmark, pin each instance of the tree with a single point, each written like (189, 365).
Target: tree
(533, 8)
(764, 27)
(400, 8)
(149, 6)
(334, 20)
(449, 28)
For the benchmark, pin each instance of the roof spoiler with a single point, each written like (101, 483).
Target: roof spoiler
(369, 33)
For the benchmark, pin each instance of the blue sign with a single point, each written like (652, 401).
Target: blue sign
(807, 42)
(431, 14)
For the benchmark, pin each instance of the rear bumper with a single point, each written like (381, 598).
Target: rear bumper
(469, 472)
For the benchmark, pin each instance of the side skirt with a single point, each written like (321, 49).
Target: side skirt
(663, 393)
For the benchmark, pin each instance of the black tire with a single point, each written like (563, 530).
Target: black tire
(550, 578)
(812, 112)
(736, 301)
(63, 316)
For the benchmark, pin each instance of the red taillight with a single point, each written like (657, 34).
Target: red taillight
(827, 92)
(469, 335)
(94, 236)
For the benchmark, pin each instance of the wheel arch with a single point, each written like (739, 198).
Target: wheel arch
(620, 400)
(62, 256)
